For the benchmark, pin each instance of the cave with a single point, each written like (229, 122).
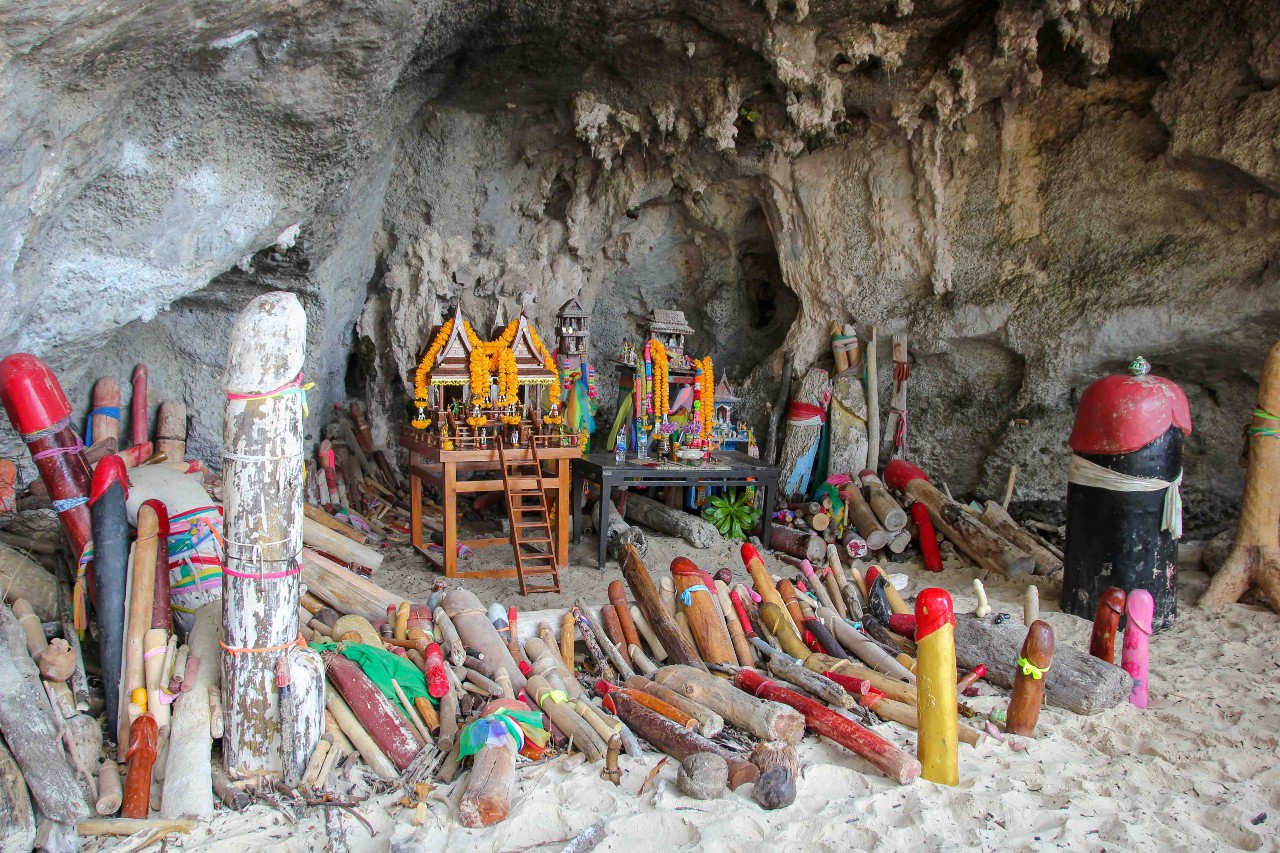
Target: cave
(1031, 194)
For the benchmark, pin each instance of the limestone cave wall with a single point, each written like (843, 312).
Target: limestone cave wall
(1034, 192)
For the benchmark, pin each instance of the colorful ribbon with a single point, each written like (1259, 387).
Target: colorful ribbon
(686, 597)
(1028, 668)
(500, 727)
(1269, 432)
(296, 386)
(105, 411)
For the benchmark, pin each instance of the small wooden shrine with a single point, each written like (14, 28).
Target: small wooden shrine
(468, 391)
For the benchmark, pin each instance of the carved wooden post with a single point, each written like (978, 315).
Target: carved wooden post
(262, 475)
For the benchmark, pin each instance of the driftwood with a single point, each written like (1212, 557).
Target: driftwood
(375, 713)
(619, 533)
(1077, 682)
(22, 577)
(262, 528)
(891, 514)
(863, 518)
(171, 430)
(477, 632)
(979, 542)
(344, 590)
(679, 742)
(673, 522)
(668, 633)
(995, 517)
(1255, 555)
(31, 732)
(188, 776)
(764, 719)
(797, 543)
(804, 431)
(317, 535)
(710, 723)
(17, 817)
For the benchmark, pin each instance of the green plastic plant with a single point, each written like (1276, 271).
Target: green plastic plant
(733, 516)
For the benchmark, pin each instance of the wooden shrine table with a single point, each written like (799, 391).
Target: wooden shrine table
(724, 468)
(441, 468)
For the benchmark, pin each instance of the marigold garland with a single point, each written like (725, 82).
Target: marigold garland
(708, 378)
(420, 382)
(661, 378)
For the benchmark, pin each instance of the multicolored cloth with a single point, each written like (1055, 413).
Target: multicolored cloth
(502, 726)
(195, 561)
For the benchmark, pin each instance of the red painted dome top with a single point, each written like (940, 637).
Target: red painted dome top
(31, 393)
(1122, 413)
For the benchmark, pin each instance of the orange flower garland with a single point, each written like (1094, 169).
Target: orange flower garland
(553, 390)
(661, 380)
(424, 367)
(708, 396)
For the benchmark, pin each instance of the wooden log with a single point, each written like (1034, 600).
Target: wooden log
(344, 590)
(1029, 680)
(938, 743)
(1030, 604)
(797, 543)
(848, 420)
(678, 742)
(890, 513)
(1254, 559)
(741, 648)
(318, 515)
(995, 517)
(760, 578)
(646, 630)
(928, 541)
(893, 688)
(627, 625)
(317, 535)
(697, 601)
(30, 730)
(103, 434)
(188, 775)
(40, 414)
(1139, 607)
(673, 522)
(863, 518)
(544, 658)
(142, 586)
(487, 799)
(139, 411)
(979, 542)
(475, 630)
(446, 634)
(1080, 683)
(648, 700)
(814, 683)
(806, 415)
(383, 723)
(17, 817)
(779, 625)
(1102, 641)
(884, 756)
(613, 631)
(893, 711)
(566, 718)
(568, 635)
(767, 720)
(262, 530)
(896, 428)
(612, 654)
(872, 378)
(709, 722)
(702, 776)
(171, 430)
(110, 791)
(144, 736)
(668, 633)
(619, 533)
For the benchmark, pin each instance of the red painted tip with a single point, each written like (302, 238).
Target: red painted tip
(602, 687)
(140, 373)
(526, 668)
(109, 471)
(684, 566)
(865, 471)
(899, 472)
(980, 670)
(609, 705)
(749, 553)
(873, 572)
(162, 516)
(933, 610)
(31, 393)
(903, 624)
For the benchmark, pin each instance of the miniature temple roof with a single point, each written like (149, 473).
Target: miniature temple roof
(573, 308)
(529, 361)
(451, 364)
(669, 322)
(724, 394)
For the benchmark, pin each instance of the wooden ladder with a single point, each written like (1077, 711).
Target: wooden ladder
(530, 521)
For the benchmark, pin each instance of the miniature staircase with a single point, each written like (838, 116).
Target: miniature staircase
(531, 537)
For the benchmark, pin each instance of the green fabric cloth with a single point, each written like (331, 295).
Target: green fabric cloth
(382, 667)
